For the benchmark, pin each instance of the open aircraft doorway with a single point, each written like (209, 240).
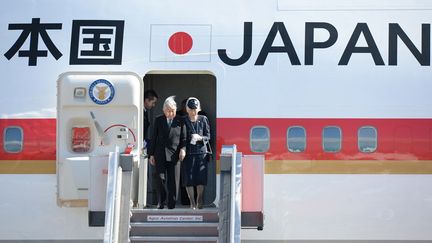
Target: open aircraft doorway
(199, 84)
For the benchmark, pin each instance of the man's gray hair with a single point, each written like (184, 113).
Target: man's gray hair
(170, 102)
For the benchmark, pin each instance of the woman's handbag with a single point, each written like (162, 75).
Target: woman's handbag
(209, 155)
(208, 147)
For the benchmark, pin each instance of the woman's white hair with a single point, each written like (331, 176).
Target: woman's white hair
(170, 103)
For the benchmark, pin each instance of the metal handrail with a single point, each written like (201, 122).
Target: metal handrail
(236, 197)
(118, 197)
(233, 190)
(112, 188)
(230, 201)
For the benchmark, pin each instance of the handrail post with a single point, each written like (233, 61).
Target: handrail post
(236, 203)
(118, 198)
(229, 205)
(113, 162)
(126, 163)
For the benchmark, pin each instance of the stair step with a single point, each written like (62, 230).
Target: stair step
(175, 215)
(161, 239)
(174, 229)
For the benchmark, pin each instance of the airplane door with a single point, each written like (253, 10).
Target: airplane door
(199, 84)
(96, 112)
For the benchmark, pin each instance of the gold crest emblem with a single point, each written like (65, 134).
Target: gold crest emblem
(101, 92)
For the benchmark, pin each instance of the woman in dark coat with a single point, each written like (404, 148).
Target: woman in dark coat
(194, 166)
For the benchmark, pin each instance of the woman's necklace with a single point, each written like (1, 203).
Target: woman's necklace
(194, 124)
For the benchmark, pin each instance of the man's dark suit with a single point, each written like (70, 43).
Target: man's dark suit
(165, 147)
(146, 126)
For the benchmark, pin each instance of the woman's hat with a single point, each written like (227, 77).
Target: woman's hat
(193, 103)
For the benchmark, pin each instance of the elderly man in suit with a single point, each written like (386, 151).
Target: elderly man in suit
(167, 147)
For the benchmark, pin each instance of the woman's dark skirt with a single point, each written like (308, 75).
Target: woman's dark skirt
(194, 170)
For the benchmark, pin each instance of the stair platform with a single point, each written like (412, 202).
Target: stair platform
(174, 225)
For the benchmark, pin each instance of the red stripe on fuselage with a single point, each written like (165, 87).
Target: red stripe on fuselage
(398, 139)
(39, 139)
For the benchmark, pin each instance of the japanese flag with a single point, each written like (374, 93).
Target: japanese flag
(180, 43)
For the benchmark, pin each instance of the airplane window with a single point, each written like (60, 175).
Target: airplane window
(260, 139)
(367, 139)
(296, 139)
(13, 139)
(332, 139)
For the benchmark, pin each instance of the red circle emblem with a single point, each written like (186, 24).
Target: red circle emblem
(180, 43)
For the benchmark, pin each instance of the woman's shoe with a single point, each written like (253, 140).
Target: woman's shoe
(199, 203)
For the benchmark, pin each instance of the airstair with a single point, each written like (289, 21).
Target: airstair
(221, 223)
(176, 225)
